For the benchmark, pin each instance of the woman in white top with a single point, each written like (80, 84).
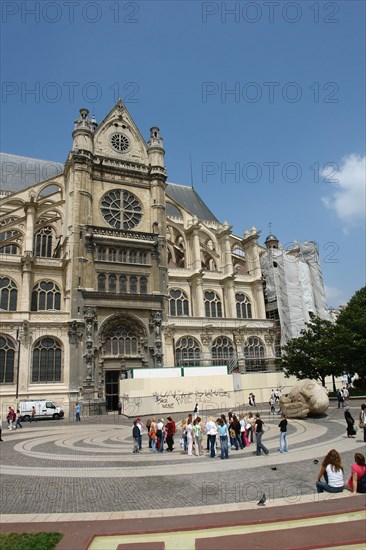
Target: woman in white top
(332, 470)
(189, 432)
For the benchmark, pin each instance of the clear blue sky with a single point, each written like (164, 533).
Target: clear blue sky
(296, 71)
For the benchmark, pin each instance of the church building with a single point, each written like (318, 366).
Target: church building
(107, 267)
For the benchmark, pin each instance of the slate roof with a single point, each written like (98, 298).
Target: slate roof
(190, 200)
(17, 173)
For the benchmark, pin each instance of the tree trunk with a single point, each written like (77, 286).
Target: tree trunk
(334, 384)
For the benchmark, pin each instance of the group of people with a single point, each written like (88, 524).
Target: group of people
(342, 396)
(333, 473)
(274, 400)
(226, 434)
(157, 432)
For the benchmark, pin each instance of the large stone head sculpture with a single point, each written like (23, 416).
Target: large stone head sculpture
(306, 397)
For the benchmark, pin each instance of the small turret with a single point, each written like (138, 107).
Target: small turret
(155, 149)
(83, 132)
(271, 241)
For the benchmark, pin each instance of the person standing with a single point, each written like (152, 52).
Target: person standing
(33, 415)
(196, 410)
(272, 406)
(259, 430)
(224, 436)
(17, 423)
(362, 420)
(140, 427)
(283, 435)
(170, 428)
(189, 432)
(197, 434)
(340, 398)
(77, 412)
(119, 407)
(160, 435)
(135, 435)
(11, 418)
(350, 423)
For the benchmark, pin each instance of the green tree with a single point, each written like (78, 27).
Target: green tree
(311, 355)
(350, 345)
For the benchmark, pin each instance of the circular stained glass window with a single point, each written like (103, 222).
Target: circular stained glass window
(120, 142)
(121, 209)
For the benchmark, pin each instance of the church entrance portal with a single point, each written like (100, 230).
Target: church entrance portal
(112, 389)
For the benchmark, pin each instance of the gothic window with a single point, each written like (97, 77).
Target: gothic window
(178, 303)
(243, 306)
(133, 257)
(188, 352)
(101, 282)
(143, 285)
(213, 306)
(123, 284)
(46, 295)
(112, 256)
(43, 242)
(9, 248)
(143, 257)
(121, 341)
(121, 209)
(222, 350)
(124, 256)
(254, 353)
(101, 254)
(7, 358)
(133, 284)
(8, 294)
(46, 364)
(239, 251)
(112, 283)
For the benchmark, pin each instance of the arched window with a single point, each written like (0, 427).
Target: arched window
(46, 295)
(143, 257)
(143, 285)
(9, 248)
(46, 365)
(121, 341)
(43, 242)
(112, 283)
(112, 256)
(243, 306)
(8, 294)
(213, 306)
(133, 284)
(222, 350)
(124, 256)
(254, 353)
(178, 303)
(101, 254)
(123, 284)
(188, 352)
(7, 357)
(101, 282)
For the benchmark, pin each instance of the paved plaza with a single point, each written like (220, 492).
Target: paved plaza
(84, 474)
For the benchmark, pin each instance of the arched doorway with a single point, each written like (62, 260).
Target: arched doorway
(123, 347)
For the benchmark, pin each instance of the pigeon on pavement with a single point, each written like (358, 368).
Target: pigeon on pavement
(262, 500)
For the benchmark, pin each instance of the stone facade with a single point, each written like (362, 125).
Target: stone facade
(106, 267)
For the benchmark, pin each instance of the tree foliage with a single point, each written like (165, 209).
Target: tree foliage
(351, 335)
(311, 355)
(326, 349)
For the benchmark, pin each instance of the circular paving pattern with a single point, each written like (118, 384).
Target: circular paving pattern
(60, 467)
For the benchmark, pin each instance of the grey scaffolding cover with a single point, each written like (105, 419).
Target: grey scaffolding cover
(294, 279)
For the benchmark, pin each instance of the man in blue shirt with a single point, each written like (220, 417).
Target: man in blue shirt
(77, 412)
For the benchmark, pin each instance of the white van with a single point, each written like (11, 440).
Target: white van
(44, 409)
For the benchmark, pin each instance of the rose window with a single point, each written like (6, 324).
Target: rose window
(120, 143)
(121, 209)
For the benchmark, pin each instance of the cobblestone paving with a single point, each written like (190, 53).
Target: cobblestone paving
(36, 471)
